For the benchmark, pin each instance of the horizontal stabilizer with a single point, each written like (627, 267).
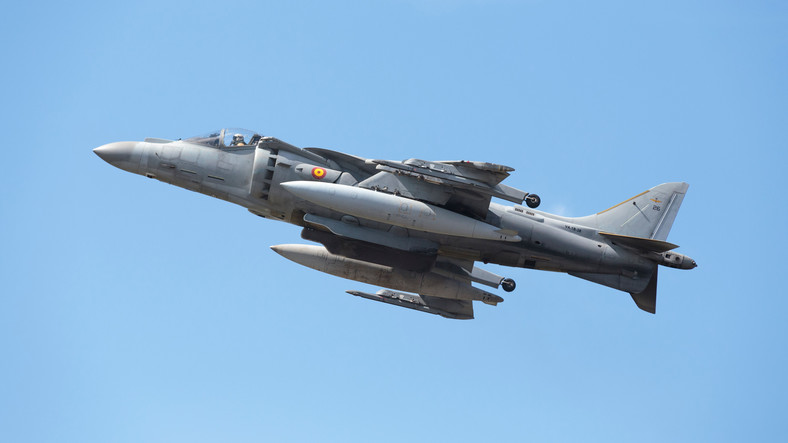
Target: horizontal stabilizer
(644, 244)
(456, 309)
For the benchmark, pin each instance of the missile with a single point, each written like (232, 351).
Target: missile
(396, 210)
(425, 283)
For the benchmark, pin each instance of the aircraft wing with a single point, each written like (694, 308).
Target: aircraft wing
(456, 309)
(459, 272)
(366, 244)
(438, 284)
(464, 187)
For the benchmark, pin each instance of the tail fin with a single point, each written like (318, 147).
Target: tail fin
(642, 222)
(649, 214)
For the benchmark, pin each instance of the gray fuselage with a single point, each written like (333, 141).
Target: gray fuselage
(251, 176)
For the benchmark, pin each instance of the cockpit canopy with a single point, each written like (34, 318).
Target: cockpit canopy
(227, 138)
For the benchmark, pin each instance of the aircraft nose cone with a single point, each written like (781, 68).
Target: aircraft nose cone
(114, 153)
(123, 155)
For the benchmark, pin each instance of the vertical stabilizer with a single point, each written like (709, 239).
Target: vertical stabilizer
(649, 214)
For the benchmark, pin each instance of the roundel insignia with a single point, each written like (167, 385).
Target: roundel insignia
(318, 173)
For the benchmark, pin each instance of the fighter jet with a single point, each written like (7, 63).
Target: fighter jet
(416, 228)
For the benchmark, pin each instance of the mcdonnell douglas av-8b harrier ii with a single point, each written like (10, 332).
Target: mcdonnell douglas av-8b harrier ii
(416, 226)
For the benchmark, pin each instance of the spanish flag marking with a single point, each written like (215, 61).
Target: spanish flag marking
(318, 173)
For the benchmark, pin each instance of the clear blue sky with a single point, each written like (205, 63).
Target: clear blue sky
(135, 311)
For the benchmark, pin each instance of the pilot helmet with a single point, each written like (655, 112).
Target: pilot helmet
(238, 138)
